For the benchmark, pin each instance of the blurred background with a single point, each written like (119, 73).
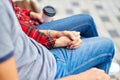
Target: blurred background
(106, 14)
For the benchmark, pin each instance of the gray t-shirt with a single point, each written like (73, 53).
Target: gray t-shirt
(34, 61)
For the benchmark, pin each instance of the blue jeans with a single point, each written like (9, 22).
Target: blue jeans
(93, 52)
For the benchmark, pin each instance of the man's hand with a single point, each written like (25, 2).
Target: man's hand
(36, 16)
(91, 74)
(62, 41)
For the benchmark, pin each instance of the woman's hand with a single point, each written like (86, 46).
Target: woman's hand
(36, 16)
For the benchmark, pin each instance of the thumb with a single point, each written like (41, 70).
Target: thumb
(72, 37)
(41, 20)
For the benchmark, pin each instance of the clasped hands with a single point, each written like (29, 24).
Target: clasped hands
(69, 39)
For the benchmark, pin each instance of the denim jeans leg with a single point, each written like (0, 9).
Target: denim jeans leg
(94, 52)
(82, 22)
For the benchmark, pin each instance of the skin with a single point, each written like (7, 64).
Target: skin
(91, 74)
(8, 70)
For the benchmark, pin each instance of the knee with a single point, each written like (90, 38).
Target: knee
(109, 46)
(88, 17)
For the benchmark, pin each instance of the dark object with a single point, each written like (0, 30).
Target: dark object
(49, 11)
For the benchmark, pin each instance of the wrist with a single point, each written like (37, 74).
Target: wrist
(56, 43)
(54, 33)
(63, 33)
(49, 33)
(59, 34)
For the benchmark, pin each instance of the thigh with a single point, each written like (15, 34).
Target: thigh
(78, 22)
(92, 52)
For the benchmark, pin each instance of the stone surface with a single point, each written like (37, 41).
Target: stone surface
(114, 33)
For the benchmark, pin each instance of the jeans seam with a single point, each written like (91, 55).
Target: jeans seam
(92, 59)
(76, 26)
(59, 59)
(62, 60)
(85, 24)
(107, 68)
(79, 25)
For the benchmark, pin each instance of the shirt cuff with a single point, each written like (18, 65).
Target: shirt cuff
(6, 57)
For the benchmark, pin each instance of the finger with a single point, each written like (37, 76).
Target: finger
(78, 37)
(77, 40)
(71, 36)
(41, 20)
(76, 33)
(107, 77)
(104, 76)
(75, 44)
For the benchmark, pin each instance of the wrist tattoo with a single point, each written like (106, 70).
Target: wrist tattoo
(48, 32)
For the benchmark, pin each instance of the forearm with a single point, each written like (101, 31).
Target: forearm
(71, 77)
(8, 70)
(91, 74)
(53, 33)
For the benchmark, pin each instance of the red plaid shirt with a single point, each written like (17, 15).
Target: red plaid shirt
(28, 25)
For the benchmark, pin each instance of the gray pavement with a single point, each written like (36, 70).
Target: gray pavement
(106, 14)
